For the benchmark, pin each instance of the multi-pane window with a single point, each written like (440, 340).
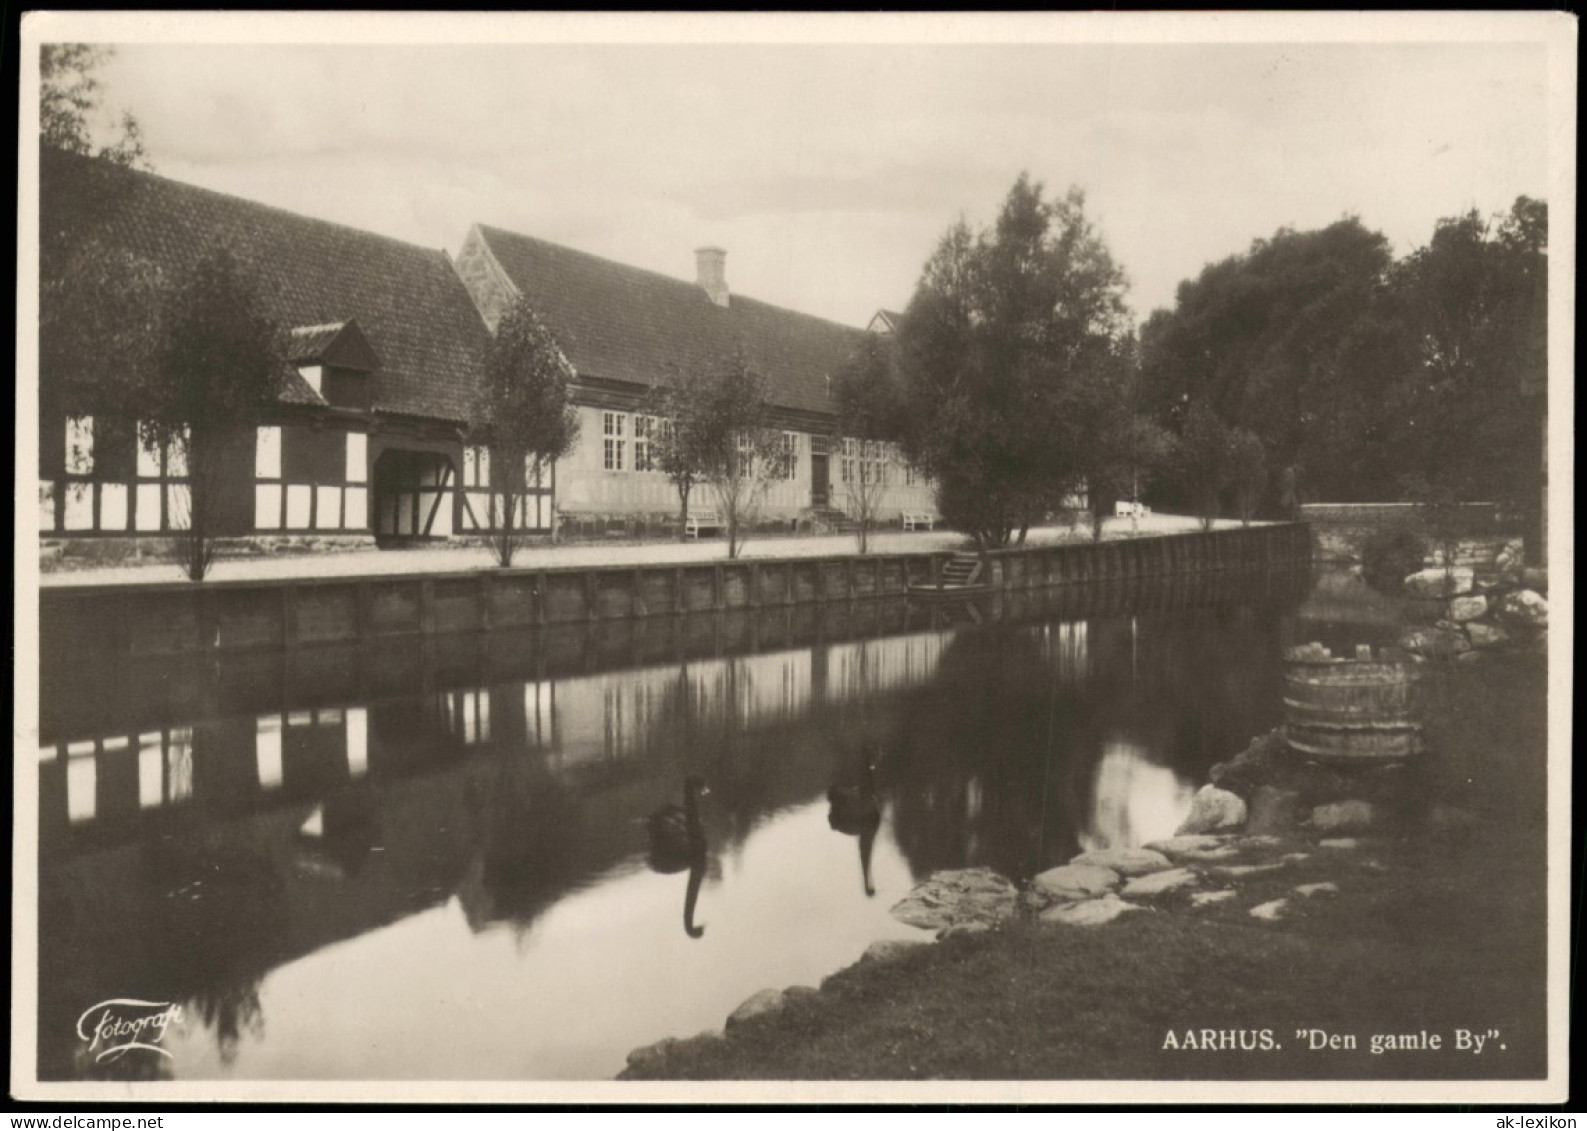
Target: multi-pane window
(875, 461)
(790, 455)
(645, 431)
(612, 442)
(79, 445)
(846, 465)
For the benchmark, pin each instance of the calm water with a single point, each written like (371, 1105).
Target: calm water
(429, 861)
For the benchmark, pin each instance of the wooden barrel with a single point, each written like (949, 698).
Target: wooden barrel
(1350, 711)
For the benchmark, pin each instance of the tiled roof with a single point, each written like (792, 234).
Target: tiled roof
(622, 323)
(307, 343)
(407, 300)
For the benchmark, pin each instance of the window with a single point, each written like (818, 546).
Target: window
(790, 455)
(470, 468)
(875, 462)
(79, 445)
(612, 429)
(644, 430)
(531, 473)
(846, 465)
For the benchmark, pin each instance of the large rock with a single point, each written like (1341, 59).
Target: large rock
(1160, 883)
(1440, 582)
(1509, 560)
(1484, 635)
(1072, 882)
(1273, 909)
(1091, 912)
(1213, 808)
(1273, 810)
(1323, 888)
(1243, 871)
(971, 895)
(1208, 898)
(651, 1055)
(1462, 609)
(1198, 848)
(1125, 861)
(756, 1005)
(1535, 578)
(1525, 608)
(1435, 643)
(1343, 816)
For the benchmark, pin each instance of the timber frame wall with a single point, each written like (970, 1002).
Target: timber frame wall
(182, 617)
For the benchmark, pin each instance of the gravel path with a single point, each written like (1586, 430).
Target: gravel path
(442, 559)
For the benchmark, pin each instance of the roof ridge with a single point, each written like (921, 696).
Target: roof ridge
(188, 186)
(733, 295)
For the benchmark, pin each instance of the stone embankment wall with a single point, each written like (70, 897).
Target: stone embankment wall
(1340, 530)
(1464, 611)
(181, 617)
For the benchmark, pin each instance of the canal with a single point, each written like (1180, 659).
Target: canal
(430, 860)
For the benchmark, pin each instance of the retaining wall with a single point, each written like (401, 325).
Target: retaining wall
(180, 617)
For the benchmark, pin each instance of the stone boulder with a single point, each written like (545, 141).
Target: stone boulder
(1323, 888)
(1509, 560)
(757, 1005)
(1440, 582)
(1072, 882)
(1199, 847)
(651, 1055)
(1273, 810)
(1434, 643)
(1125, 861)
(1244, 871)
(1208, 898)
(1484, 635)
(1462, 609)
(1213, 808)
(1535, 577)
(1272, 909)
(1343, 816)
(1091, 912)
(969, 895)
(1525, 608)
(1161, 883)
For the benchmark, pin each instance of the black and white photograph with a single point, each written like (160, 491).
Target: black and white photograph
(639, 558)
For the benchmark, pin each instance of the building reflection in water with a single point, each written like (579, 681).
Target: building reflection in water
(501, 806)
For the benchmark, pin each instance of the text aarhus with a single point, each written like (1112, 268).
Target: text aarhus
(1220, 1040)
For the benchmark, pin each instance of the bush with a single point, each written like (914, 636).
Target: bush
(1388, 557)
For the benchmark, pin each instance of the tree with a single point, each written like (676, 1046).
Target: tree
(1247, 472)
(1202, 460)
(718, 432)
(678, 446)
(220, 365)
(1002, 324)
(1474, 304)
(71, 108)
(869, 410)
(524, 415)
(1291, 342)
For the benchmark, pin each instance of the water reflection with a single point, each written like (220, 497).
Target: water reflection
(451, 874)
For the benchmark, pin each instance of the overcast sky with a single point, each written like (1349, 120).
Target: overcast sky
(829, 172)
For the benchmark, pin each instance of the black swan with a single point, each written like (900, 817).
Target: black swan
(853, 805)
(676, 836)
(691, 897)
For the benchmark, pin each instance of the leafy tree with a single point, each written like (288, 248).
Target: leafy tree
(1291, 342)
(719, 433)
(1247, 472)
(1474, 304)
(1003, 323)
(220, 365)
(1202, 459)
(524, 415)
(870, 408)
(71, 104)
(679, 446)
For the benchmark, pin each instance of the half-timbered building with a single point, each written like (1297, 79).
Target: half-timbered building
(385, 342)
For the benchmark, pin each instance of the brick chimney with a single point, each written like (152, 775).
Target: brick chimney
(710, 270)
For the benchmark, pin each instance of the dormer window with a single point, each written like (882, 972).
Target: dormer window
(336, 362)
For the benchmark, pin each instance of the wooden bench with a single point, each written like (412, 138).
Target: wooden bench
(701, 521)
(915, 520)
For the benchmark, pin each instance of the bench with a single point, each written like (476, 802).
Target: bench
(701, 521)
(1124, 509)
(915, 520)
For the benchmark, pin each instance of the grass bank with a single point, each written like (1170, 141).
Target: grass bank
(1434, 929)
